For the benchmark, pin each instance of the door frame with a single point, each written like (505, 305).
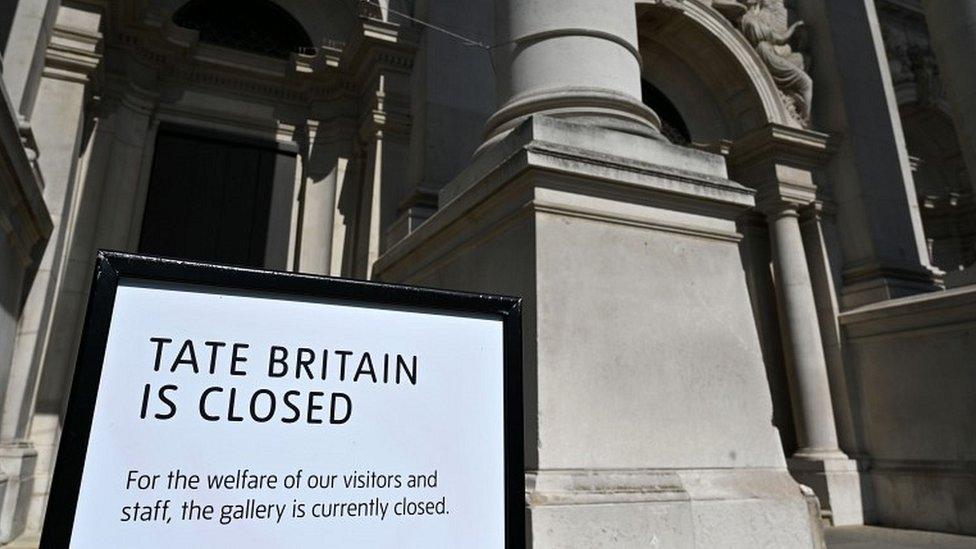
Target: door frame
(283, 210)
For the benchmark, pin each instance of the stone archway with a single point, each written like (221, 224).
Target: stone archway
(701, 61)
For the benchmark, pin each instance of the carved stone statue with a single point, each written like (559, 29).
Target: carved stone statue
(765, 24)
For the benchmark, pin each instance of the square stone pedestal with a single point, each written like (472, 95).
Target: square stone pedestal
(648, 415)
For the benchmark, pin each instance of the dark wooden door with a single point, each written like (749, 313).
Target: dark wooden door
(208, 199)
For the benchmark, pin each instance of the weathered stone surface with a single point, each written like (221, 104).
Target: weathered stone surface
(634, 361)
(914, 389)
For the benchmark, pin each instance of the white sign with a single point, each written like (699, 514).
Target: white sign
(244, 419)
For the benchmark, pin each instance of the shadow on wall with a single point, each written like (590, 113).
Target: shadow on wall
(912, 360)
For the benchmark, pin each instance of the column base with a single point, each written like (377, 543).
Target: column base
(837, 483)
(18, 460)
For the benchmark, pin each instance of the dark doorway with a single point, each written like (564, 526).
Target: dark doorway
(209, 198)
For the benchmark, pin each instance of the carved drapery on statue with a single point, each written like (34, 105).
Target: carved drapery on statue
(765, 24)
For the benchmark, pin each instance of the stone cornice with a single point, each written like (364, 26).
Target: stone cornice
(939, 311)
(377, 52)
(301, 80)
(365, 79)
(549, 137)
(801, 146)
(538, 169)
(72, 56)
(376, 42)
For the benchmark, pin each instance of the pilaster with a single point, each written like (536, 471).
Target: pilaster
(25, 226)
(884, 250)
(380, 58)
(325, 163)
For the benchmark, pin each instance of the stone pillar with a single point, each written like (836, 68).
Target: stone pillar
(573, 59)
(815, 224)
(102, 214)
(810, 389)
(625, 250)
(380, 58)
(884, 250)
(952, 30)
(780, 163)
(324, 164)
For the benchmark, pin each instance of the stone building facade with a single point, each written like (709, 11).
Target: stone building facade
(744, 230)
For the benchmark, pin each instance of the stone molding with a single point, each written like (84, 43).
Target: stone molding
(545, 146)
(949, 309)
(555, 138)
(583, 487)
(73, 53)
(893, 276)
(575, 101)
(336, 71)
(950, 467)
(781, 162)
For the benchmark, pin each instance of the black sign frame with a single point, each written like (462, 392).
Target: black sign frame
(111, 267)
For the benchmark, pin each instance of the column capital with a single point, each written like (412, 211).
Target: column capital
(379, 59)
(775, 209)
(74, 52)
(780, 162)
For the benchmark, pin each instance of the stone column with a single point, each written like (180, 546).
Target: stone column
(810, 389)
(575, 59)
(816, 226)
(780, 162)
(324, 165)
(952, 29)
